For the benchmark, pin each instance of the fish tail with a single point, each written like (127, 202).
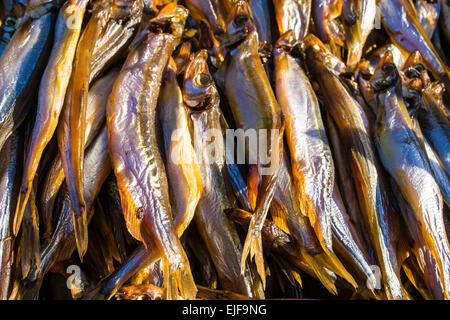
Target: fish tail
(178, 280)
(337, 267)
(30, 250)
(22, 201)
(253, 246)
(320, 271)
(80, 226)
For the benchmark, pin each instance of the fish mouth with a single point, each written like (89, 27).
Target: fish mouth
(386, 74)
(199, 91)
(239, 25)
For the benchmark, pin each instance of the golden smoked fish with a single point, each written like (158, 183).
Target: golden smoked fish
(95, 117)
(311, 159)
(97, 28)
(52, 91)
(136, 158)
(10, 164)
(351, 123)
(256, 110)
(403, 157)
(62, 243)
(217, 231)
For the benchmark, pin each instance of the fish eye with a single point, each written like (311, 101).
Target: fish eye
(419, 68)
(10, 22)
(204, 79)
(388, 67)
(240, 20)
(412, 73)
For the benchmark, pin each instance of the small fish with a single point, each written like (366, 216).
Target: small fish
(352, 125)
(95, 116)
(425, 112)
(183, 170)
(137, 160)
(63, 243)
(10, 165)
(403, 157)
(399, 19)
(103, 12)
(254, 107)
(311, 159)
(52, 90)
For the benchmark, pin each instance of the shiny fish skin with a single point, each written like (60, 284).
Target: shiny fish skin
(436, 128)
(323, 14)
(359, 22)
(211, 12)
(254, 107)
(428, 13)
(311, 159)
(182, 166)
(184, 178)
(286, 213)
(95, 116)
(103, 12)
(263, 19)
(62, 243)
(400, 21)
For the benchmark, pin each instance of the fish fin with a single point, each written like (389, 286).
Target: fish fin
(80, 226)
(253, 179)
(30, 250)
(279, 216)
(22, 201)
(130, 213)
(178, 277)
(411, 271)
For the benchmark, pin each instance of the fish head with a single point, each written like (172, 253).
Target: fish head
(239, 24)
(199, 90)
(386, 75)
(170, 19)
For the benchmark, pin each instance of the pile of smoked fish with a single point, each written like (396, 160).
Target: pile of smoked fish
(224, 149)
